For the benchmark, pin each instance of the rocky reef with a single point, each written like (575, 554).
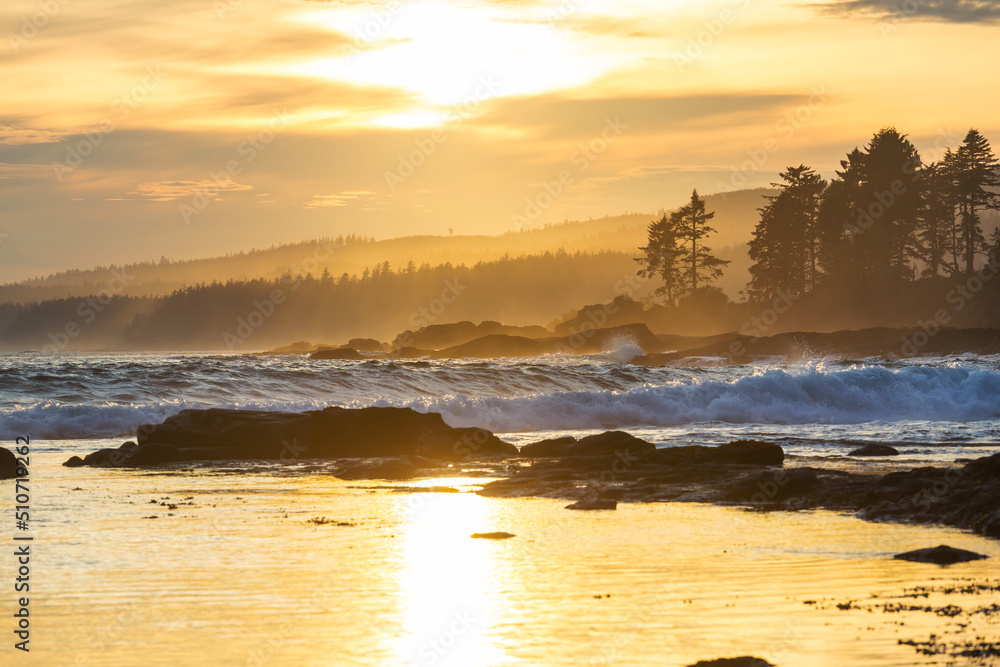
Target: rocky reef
(596, 472)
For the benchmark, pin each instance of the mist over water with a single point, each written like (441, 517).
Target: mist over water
(937, 402)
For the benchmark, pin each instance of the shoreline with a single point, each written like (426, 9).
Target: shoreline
(599, 470)
(651, 583)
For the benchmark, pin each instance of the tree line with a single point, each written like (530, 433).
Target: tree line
(885, 221)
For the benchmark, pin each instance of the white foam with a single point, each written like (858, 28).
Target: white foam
(853, 396)
(791, 395)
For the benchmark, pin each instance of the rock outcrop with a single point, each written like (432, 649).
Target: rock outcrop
(608, 442)
(216, 434)
(8, 464)
(874, 450)
(940, 555)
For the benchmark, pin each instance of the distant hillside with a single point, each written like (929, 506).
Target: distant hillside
(735, 218)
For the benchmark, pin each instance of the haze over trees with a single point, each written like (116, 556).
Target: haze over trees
(887, 224)
(888, 241)
(677, 254)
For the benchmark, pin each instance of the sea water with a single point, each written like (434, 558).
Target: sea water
(260, 563)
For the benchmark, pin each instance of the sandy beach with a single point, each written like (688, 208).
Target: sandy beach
(269, 563)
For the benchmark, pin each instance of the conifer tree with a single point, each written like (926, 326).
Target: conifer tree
(663, 257)
(975, 170)
(701, 266)
(785, 246)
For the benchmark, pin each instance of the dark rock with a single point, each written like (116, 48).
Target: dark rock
(341, 432)
(153, 455)
(609, 442)
(743, 661)
(984, 469)
(463, 443)
(874, 450)
(298, 347)
(548, 447)
(346, 354)
(100, 457)
(593, 341)
(773, 485)
(400, 468)
(108, 456)
(622, 310)
(940, 555)
(741, 452)
(497, 345)
(216, 427)
(466, 340)
(883, 342)
(367, 345)
(8, 464)
(493, 536)
(750, 452)
(74, 462)
(593, 504)
(216, 434)
(440, 336)
(988, 524)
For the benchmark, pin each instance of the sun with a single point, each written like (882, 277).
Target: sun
(447, 56)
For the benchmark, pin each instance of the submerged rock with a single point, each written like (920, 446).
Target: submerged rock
(773, 485)
(396, 469)
(940, 555)
(594, 504)
(743, 661)
(874, 450)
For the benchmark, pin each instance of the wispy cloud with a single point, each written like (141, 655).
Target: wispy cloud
(170, 190)
(12, 135)
(340, 199)
(955, 11)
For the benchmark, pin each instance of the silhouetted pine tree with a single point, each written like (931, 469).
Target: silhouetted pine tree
(664, 257)
(693, 228)
(975, 169)
(838, 222)
(936, 233)
(785, 246)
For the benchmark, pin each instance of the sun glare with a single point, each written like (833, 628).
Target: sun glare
(449, 588)
(450, 56)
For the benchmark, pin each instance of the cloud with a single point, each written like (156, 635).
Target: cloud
(954, 11)
(12, 135)
(170, 190)
(555, 116)
(341, 199)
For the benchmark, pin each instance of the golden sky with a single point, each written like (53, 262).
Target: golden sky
(131, 130)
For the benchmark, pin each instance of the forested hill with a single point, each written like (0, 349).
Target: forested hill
(736, 214)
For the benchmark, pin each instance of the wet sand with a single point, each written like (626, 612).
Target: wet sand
(253, 564)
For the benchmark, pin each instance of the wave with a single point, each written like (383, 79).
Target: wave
(854, 396)
(802, 395)
(58, 421)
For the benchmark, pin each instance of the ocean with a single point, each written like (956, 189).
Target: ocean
(932, 408)
(246, 564)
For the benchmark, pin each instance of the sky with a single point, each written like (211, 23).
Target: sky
(133, 130)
